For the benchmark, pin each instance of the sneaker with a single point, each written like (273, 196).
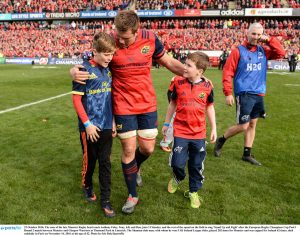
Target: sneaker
(108, 210)
(172, 186)
(218, 147)
(139, 180)
(251, 159)
(195, 200)
(129, 205)
(166, 149)
(89, 194)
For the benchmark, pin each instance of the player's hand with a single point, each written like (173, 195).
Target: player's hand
(77, 75)
(229, 100)
(92, 133)
(114, 129)
(213, 136)
(264, 38)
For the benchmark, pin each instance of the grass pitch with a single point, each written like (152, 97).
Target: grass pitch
(40, 159)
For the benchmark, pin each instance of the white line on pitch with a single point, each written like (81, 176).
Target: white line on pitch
(292, 84)
(33, 103)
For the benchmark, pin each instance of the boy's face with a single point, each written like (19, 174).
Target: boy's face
(190, 70)
(103, 58)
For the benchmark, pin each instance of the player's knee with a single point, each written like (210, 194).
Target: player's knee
(127, 135)
(148, 134)
(244, 127)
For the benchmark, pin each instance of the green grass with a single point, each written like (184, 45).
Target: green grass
(40, 160)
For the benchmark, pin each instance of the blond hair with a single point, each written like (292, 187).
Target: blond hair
(103, 42)
(200, 59)
(126, 20)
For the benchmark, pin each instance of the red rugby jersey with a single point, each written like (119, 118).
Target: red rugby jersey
(133, 91)
(192, 101)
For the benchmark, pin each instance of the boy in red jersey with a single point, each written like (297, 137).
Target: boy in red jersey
(134, 99)
(192, 97)
(93, 104)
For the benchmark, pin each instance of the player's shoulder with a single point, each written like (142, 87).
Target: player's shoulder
(207, 83)
(145, 34)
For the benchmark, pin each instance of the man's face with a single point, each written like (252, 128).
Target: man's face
(103, 58)
(125, 39)
(254, 35)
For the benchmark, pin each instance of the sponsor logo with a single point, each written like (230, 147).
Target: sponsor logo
(145, 49)
(178, 149)
(109, 74)
(245, 118)
(112, 13)
(119, 127)
(168, 13)
(93, 76)
(43, 61)
(201, 95)
(232, 13)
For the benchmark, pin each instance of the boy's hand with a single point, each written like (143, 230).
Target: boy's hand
(164, 130)
(213, 136)
(92, 133)
(114, 129)
(77, 75)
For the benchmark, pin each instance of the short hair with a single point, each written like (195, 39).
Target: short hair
(255, 25)
(103, 42)
(200, 59)
(126, 20)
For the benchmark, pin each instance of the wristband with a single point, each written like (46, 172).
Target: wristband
(166, 124)
(86, 124)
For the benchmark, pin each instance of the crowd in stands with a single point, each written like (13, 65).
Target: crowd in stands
(40, 39)
(259, 4)
(19, 6)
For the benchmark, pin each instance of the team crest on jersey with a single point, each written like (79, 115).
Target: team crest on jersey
(145, 49)
(109, 74)
(201, 95)
(92, 76)
(260, 55)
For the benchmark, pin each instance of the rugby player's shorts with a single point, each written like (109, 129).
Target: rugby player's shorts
(249, 106)
(145, 124)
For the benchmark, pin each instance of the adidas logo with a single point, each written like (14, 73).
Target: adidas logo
(92, 76)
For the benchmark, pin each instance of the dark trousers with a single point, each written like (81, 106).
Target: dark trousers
(99, 150)
(192, 151)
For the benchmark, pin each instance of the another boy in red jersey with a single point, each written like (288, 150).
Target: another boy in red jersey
(134, 99)
(192, 97)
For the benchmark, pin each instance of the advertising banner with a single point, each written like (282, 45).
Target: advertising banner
(232, 12)
(296, 12)
(28, 16)
(268, 11)
(62, 15)
(188, 12)
(210, 13)
(155, 13)
(98, 14)
(64, 61)
(2, 60)
(280, 65)
(5, 16)
(21, 60)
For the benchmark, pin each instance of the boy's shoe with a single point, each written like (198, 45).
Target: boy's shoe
(218, 147)
(172, 186)
(108, 210)
(195, 200)
(89, 194)
(166, 149)
(139, 180)
(130, 204)
(251, 159)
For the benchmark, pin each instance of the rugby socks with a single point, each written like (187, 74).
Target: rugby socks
(129, 171)
(139, 157)
(247, 152)
(222, 139)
